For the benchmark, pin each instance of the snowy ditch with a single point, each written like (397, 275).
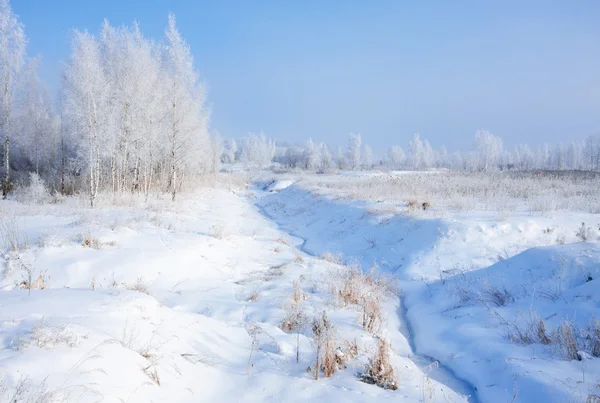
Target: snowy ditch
(450, 270)
(428, 365)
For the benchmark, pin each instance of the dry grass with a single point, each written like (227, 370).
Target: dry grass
(379, 371)
(90, 241)
(46, 336)
(567, 341)
(151, 373)
(585, 233)
(537, 191)
(595, 338)
(282, 241)
(335, 258)
(325, 339)
(295, 319)
(352, 286)
(495, 294)
(12, 235)
(218, 231)
(138, 285)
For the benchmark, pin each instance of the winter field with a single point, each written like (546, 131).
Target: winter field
(410, 286)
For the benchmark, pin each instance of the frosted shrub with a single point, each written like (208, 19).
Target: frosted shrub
(12, 235)
(325, 340)
(584, 233)
(494, 294)
(567, 340)
(335, 258)
(36, 192)
(594, 336)
(379, 371)
(44, 336)
(352, 286)
(295, 318)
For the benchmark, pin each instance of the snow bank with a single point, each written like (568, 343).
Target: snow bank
(454, 273)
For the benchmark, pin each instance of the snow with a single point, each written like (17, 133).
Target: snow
(163, 307)
(184, 301)
(437, 259)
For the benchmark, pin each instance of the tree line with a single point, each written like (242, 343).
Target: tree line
(131, 116)
(131, 113)
(487, 154)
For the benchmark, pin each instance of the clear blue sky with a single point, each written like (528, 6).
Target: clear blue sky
(529, 71)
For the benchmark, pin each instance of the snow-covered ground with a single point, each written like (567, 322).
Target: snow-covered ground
(185, 302)
(174, 302)
(475, 286)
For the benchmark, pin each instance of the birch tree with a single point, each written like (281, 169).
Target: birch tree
(187, 138)
(12, 60)
(353, 151)
(85, 103)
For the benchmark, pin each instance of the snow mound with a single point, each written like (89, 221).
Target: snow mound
(276, 186)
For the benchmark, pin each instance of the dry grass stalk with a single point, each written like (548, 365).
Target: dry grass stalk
(379, 371)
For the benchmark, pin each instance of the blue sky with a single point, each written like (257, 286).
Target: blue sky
(529, 71)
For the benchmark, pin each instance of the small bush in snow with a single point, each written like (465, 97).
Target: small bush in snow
(36, 192)
(12, 236)
(295, 319)
(494, 294)
(139, 285)
(352, 286)
(218, 231)
(379, 371)
(584, 233)
(282, 241)
(44, 336)
(594, 336)
(90, 241)
(151, 373)
(325, 340)
(541, 333)
(335, 258)
(567, 340)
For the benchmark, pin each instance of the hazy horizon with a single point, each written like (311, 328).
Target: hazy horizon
(526, 72)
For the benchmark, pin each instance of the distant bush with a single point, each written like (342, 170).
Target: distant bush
(35, 192)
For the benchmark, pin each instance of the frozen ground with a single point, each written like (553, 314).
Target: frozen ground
(475, 285)
(161, 302)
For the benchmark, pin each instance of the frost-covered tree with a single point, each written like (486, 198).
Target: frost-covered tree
(367, 157)
(187, 118)
(258, 151)
(417, 152)
(216, 151)
(37, 123)
(523, 157)
(230, 150)
(326, 160)
(396, 157)
(312, 156)
(86, 98)
(592, 152)
(353, 151)
(489, 150)
(340, 158)
(12, 61)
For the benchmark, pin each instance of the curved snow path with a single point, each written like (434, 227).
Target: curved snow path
(428, 365)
